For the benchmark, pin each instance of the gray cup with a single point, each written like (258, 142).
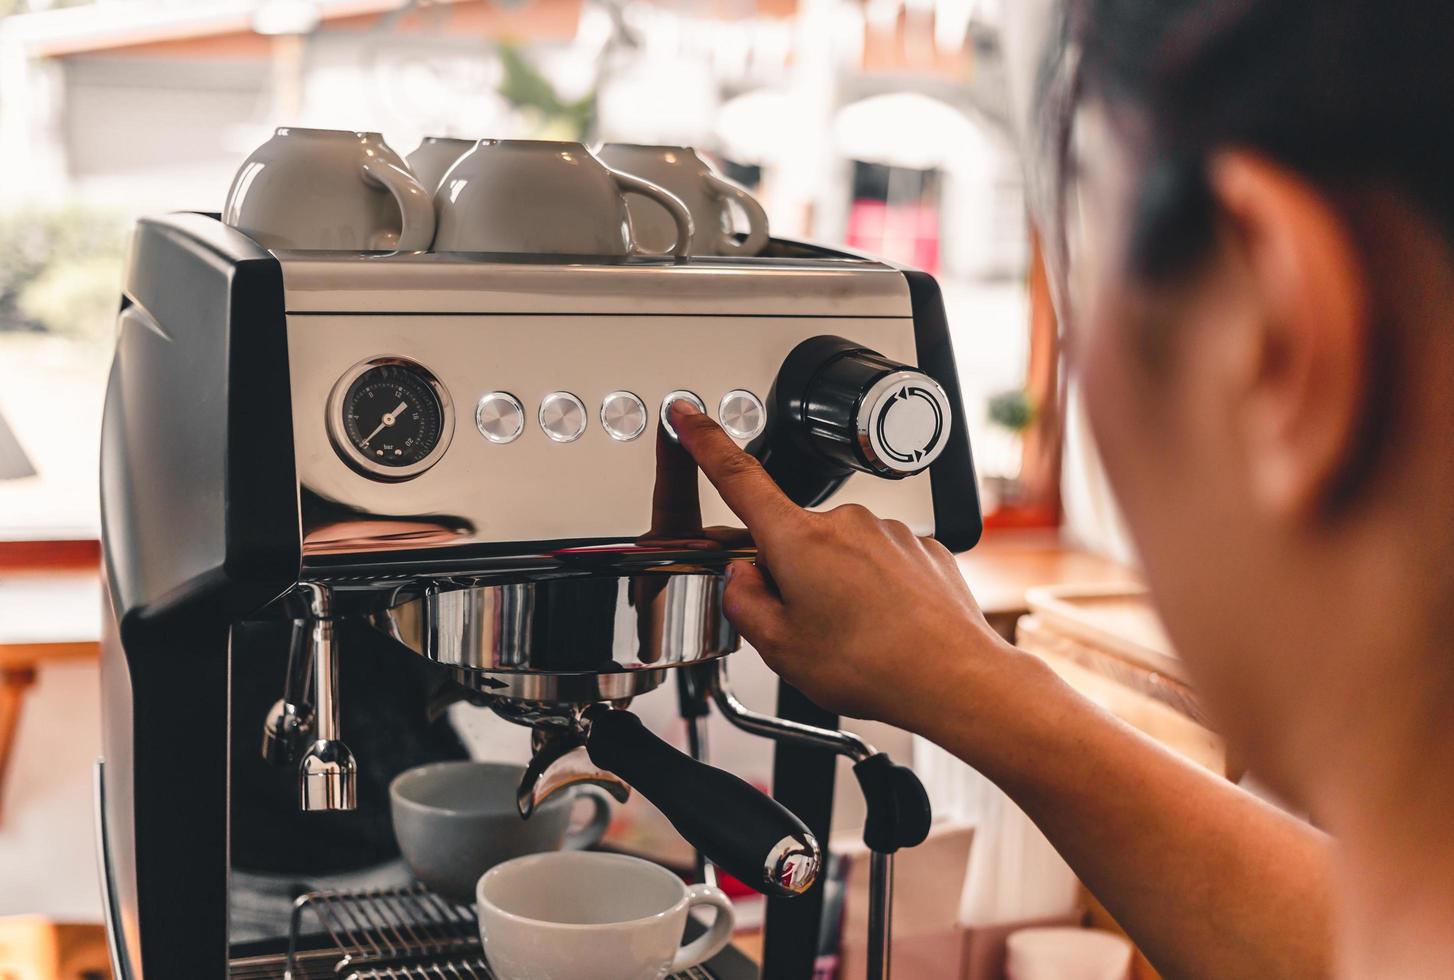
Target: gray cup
(456, 820)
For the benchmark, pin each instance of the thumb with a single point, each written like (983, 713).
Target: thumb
(753, 605)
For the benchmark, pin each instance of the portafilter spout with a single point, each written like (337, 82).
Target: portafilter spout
(558, 759)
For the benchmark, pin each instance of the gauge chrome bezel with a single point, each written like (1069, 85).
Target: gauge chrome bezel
(337, 430)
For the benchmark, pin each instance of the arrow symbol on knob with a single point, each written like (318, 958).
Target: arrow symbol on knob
(917, 454)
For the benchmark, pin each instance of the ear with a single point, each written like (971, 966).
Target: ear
(1305, 372)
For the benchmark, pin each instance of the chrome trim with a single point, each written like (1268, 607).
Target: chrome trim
(459, 282)
(328, 773)
(333, 420)
(792, 865)
(611, 626)
(586, 688)
(780, 729)
(880, 915)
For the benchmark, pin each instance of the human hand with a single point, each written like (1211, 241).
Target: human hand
(860, 614)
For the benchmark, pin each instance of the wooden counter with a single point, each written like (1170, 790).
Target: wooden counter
(46, 615)
(1006, 565)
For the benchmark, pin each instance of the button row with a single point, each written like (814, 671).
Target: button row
(562, 416)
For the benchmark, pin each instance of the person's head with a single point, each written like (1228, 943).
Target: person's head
(1263, 322)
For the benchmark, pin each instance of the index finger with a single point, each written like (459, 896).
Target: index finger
(744, 485)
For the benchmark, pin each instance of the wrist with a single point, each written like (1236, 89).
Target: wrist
(996, 708)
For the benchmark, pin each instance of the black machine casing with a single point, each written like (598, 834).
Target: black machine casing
(203, 529)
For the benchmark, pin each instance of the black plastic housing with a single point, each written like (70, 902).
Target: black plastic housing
(199, 528)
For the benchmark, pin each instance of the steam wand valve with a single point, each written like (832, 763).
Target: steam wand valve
(327, 774)
(291, 717)
(898, 812)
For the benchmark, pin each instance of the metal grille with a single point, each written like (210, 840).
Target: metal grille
(382, 934)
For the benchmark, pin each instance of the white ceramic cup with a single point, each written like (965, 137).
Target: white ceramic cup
(433, 157)
(456, 820)
(707, 194)
(1067, 953)
(329, 189)
(588, 916)
(546, 198)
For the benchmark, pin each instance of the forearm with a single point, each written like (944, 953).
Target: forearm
(1208, 880)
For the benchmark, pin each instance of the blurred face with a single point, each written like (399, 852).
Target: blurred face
(1155, 365)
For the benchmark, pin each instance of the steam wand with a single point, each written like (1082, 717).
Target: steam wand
(898, 813)
(327, 774)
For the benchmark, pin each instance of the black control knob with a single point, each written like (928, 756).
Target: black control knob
(858, 409)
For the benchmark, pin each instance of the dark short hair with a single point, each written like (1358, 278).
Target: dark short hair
(1348, 92)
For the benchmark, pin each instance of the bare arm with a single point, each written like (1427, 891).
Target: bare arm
(1207, 879)
(873, 622)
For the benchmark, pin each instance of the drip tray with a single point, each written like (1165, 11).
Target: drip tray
(399, 934)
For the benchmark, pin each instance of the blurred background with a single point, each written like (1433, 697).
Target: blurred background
(876, 124)
(872, 123)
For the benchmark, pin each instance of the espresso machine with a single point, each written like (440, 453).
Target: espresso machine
(342, 491)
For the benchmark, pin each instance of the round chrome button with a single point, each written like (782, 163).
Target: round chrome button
(562, 416)
(681, 394)
(623, 416)
(741, 414)
(500, 417)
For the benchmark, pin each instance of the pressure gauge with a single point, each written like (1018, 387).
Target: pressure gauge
(390, 418)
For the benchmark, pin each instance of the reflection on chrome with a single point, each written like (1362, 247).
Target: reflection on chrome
(597, 625)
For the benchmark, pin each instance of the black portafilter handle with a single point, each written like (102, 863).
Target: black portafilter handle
(896, 804)
(737, 827)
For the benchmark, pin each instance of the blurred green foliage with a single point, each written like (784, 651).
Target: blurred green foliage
(60, 270)
(1013, 410)
(526, 88)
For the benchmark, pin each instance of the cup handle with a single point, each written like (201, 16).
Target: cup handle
(590, 835)
(416, 205)
(674, 206)
(756, 239)
(703, 948)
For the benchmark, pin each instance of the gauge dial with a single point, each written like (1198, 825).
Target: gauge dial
(390, 419)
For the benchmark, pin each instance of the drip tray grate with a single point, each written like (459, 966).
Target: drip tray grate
(382, 934)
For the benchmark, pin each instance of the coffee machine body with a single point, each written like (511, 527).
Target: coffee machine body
(458, 457)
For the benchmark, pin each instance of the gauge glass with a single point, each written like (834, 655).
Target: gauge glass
(392, 415)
